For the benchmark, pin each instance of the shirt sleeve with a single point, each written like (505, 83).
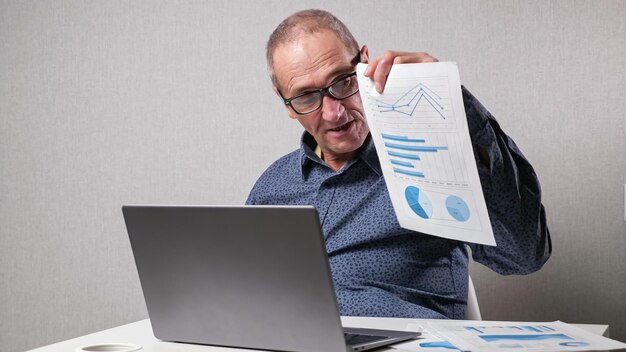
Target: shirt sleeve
(513, 196)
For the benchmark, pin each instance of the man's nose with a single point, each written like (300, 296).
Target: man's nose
(332, 109)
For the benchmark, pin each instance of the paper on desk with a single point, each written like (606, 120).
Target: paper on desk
(484, 336)
(428, 341)
(419, 127)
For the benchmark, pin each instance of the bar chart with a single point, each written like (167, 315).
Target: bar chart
(434, 158)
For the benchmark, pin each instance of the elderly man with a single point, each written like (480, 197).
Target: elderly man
(379, 268)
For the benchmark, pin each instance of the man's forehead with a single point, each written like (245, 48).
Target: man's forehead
(310, 53)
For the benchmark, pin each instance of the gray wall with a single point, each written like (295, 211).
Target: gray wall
(110, 102)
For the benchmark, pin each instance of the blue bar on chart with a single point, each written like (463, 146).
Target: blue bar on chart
(407, 172)
(402, 138)
(415, 148)
(401, 163)
(492, 338)
(403, 151)
(403, 155)
(532, 328)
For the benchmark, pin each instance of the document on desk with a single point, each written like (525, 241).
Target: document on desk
(485, 336)
(420, 130)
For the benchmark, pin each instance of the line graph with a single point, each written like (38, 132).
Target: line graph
(408, 102)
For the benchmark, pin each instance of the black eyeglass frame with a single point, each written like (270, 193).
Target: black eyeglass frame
(322, 91)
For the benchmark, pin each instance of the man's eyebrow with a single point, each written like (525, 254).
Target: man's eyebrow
(341, 71)
(334, 75)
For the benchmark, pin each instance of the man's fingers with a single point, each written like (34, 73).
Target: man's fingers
(379, 69)
(408, 58)
(381, 73)
(373, 66)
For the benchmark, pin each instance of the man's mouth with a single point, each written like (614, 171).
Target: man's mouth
(342, 127)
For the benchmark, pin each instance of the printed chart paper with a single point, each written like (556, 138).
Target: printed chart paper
(520, 336)
(428, 341)
(419, 127)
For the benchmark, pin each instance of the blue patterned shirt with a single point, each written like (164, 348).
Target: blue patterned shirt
(380, 269)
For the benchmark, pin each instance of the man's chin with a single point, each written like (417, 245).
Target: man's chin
(346, 147)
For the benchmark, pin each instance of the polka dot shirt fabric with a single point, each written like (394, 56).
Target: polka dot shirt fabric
(380, 269)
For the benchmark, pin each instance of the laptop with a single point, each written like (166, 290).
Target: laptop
(241, 276)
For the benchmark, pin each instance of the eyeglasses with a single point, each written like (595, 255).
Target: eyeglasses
(306, 103)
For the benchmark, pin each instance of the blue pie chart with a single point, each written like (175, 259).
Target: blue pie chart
(457, 208)
(419, 202)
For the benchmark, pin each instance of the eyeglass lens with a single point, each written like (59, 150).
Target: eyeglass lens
(312, 101)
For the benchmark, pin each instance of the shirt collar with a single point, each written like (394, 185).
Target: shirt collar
(308, 158)
(369, 156)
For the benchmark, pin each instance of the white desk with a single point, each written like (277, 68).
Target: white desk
(140, 333)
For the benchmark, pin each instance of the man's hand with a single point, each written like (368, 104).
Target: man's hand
(379, 69)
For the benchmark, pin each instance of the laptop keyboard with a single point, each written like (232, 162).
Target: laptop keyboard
(356, 339)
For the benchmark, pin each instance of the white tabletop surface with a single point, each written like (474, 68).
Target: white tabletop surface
(140, 333)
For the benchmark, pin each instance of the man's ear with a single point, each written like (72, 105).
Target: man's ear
(365, 54)
(289, 112)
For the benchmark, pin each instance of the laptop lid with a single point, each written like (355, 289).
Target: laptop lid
(241, 276)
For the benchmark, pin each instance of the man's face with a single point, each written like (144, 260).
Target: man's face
(313, 62)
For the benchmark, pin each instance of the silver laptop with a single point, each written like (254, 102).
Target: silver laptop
(241, 276)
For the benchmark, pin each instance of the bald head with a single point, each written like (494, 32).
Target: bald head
(303, 23)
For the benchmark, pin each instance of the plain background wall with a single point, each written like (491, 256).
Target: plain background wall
(110, 102)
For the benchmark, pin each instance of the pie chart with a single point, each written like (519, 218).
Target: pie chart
(419, 202)
(457, 208)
